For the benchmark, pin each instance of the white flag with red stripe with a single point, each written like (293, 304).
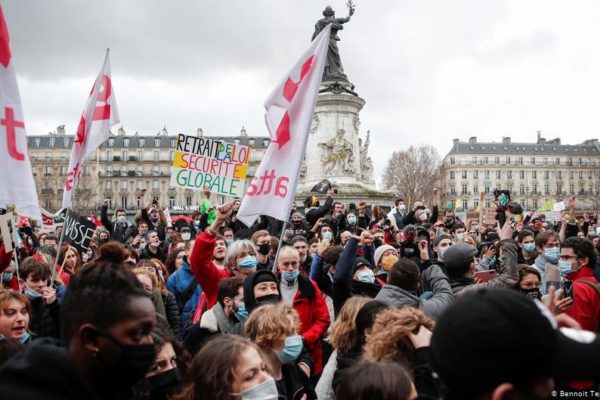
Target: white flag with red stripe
(99, 114)
(290, 109)
(18, 186)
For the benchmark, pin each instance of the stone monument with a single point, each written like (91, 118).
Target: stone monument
(336, 150)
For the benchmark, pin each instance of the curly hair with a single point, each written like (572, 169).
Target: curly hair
(343, 331)
(270, 322)
(389, 340)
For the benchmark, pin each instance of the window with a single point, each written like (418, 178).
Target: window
(111, 142)
(487, 174)
(590, 175)
(109, 170)
(464, 189)
(591, 189)
(125, 155)
(108, 185)
(124, 202)
(140, 155)
(464, 174)
(126, 142)
(498, 174)
(109, 202)
(139, 185)
(488, 203)
(535, 203)
(451, 174)
(63, 170)
(557, 161)
(188, 201)
(171, 154)
(139, 171)
(47, 171)
(475, 174)
(569, 161)
(141, 142)
(452, 190)
(37, 142)
(109, 155)
(580, 174)
(474, 160)
(66, 142)
(559, 174)
(155, 171)
(522, 190)
(509, 174)
(546, 189)
(156, 155)
(534, 174)
(124, 185)
(522, 174)
(558, 189)
(48, 156)
(63, 156)
(475, 204)
(545, 160)
(485, 160)
(171, 201)
(570, 174)
(475, 189)
(487, 188)
(520, 161)
(173, 142)
(155, 185)
(532, 160)
(157, 142)
(51, 142)
(572, 189)
(496, 160)
(546, 174)
(508, 160)
(452, 161)
(534, 189)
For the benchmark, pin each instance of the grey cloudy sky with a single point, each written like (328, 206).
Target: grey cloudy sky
(430, 70)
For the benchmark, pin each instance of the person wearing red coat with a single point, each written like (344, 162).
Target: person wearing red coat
(308, 301)
(576, 263)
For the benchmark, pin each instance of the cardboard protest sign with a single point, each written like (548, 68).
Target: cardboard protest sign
(78, 231)
(202, 163)
(560, 206)
(8, 231)
(552, 216)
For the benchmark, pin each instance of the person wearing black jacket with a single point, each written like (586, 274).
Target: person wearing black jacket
(120, 230)
(313, 211)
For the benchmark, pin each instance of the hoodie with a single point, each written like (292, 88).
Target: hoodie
(251, 281)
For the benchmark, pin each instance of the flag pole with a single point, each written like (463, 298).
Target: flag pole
(280, 244)
(15, 249)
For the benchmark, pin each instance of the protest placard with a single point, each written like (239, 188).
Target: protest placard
(203, 163)
(7, 229)
(78, 231)
(552, 216)
(560, 206)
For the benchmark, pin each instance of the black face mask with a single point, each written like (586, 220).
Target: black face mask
(134, 363)
(532, 293)
(166, 383)
(268, 299)
(264, 249)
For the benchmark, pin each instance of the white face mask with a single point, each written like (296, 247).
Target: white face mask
(263, 391)
(186, 236)
(423, 216)
(401, 207)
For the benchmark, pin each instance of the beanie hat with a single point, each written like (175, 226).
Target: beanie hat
(459, 255)
(380, 250)
(359, 262)
(252, 280)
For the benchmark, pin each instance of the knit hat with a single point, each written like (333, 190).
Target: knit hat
(252, 280)
(491, 336)
(359, 262)
(380, 250)
(458, 255)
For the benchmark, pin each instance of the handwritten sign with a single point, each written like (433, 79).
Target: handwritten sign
(203, 163)
(8, 230)
(78, 231)
(552, 216)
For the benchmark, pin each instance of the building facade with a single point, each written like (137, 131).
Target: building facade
(535, 173)
(120, 168)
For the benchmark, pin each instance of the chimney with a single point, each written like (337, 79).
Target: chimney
(243, 132)
(555, 141)
(200, 132)
(506, 139)
(455, 142)
(540, 139)
(473, 140)
(591, 142)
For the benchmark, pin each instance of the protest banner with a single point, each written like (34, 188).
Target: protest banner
(552, 216)
(202, 163)
(78, 231)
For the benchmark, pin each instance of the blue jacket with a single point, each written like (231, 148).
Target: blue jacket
(176, 284)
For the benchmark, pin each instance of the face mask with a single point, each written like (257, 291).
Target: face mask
(290, 276)
(388, 262)
(32, 294)
(565, 267)
(291, 349)
(475, 228)
(241, 314)
(493, 260)
(186, 236)
(7, 277)
(265, 391)
(154, 219)
(153, 244)
(327, 236)
(529, 247)
(103, 240)
(366, 276)
(532, 293)
(267, 299)
(352, 221)
(443, 250)
(228, 241)
(121, 219)
(552, 254)
(264, 248)
(401, 207)
(166, 382)
(423, 216)
(134, 363)
(248, 262)
(24, 338)
(459, 236)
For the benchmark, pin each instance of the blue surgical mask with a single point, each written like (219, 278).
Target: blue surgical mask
(264, 391)
(241, 314)
(564, 267)
(228, 241)
(366, 276)
(248, 262)
(154, 219)
(352, 220)
(24, 338)
(443, 250)
(7, 277)
(552, 254)
(291, 349)
(32, 294)
(327, 236)
(290, 276)
(529, 247)
(121, 219)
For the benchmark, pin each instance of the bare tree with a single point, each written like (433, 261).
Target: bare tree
(413, 172)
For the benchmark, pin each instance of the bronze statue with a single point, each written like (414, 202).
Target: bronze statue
(333, 66)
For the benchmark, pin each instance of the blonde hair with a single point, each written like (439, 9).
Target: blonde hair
(343, 331)
(149, 274)
(6, 296)
(270, 322)
(389, 340)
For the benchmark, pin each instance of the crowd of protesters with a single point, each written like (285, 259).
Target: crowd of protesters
(354, 302)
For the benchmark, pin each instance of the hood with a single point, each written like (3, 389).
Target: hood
(250, 282)
(44, 362)
(397, 297)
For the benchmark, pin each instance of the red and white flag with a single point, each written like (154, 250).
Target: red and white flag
(18, 186)
(290, 109)
(99, 114)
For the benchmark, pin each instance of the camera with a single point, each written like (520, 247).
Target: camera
(502, 198)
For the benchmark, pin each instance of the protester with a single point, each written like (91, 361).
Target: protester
(15, 314)
(262, 243)
(184, 287)
(69, 263)
(383, 381)
(119, 229)
(547, 245)
(174, 260)
(526, 242)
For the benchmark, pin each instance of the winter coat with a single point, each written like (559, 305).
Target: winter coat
(324, 387)
(310, 305)
(42, 371)
(207, 274)
(294, 384)
(586, 300)
(118, 232)
(434, 307)
(177, 283)
(313, 214)
(172, 313)
(45, 318)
